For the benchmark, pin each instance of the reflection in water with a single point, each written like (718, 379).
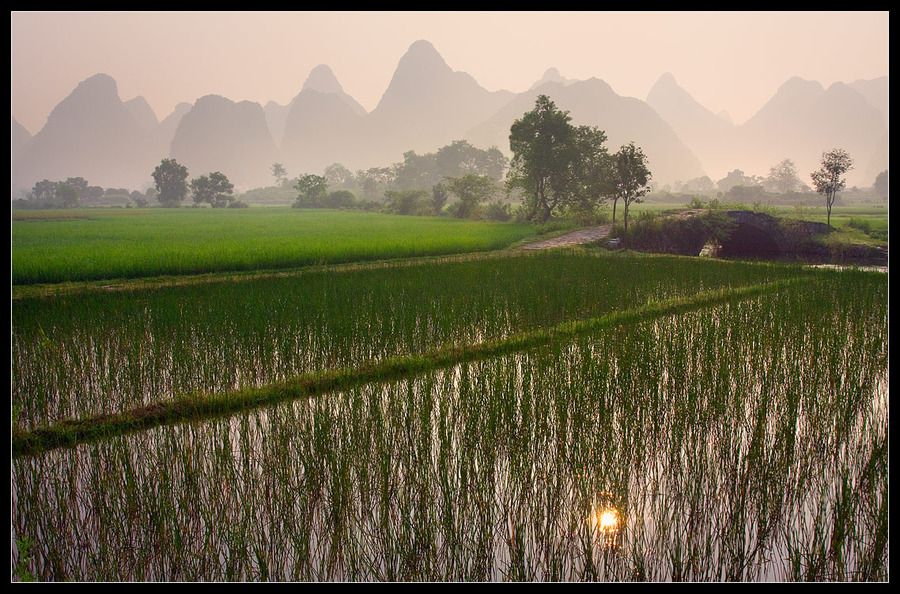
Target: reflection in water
(606, 523)
(742, 442)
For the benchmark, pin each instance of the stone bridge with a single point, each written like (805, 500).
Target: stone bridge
(759, 234)
(754, 234)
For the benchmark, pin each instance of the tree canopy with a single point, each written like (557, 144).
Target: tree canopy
(312, 191)
(171, 182)
(556, 165)
(214, 190)
(456, 159)
(630, 177)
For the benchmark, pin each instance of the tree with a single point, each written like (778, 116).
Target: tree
(783, 178)
(630, 178)
(171, 182)
(81, 186)
(341, 199)
(215, 190)
(737, 178)
(439, 196)
(407, 202)
(472, 190)
(280, 173)
(44, 192)
(555, 164)
(882, 184)
(67, 195)
(374, 178)
(827, 180)
(339, 176)
(590, 172)
(460, 158)
(539, 142)
(139, 199)
(312, 191)
(698, 185)
(418, 172)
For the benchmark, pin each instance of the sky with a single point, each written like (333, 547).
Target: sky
(728, 61)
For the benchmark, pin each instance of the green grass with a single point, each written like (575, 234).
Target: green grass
(97, 245)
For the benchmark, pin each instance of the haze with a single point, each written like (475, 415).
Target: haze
(728, 61)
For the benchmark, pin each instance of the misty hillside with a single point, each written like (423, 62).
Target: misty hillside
(93, 134)
(712, 138)
(594, 103)
(90, 134)
(218, 134)
(802, 120)
(319, 124)
(143, 114)
(799, 122)
(427, 105)
(19, 137)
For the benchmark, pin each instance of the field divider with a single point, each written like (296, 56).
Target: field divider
(195, 406)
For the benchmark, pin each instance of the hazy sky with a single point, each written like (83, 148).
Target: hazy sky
(732, 61)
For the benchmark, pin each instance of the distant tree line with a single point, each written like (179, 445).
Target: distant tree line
(457, 180)
(171, 179)
(76, 191)
(557, 170)
(783, 184)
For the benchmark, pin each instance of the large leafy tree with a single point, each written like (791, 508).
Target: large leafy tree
(829, 180)
(171, 182)
(556, 165)
(630, 178)
(312, 191)
(590, 171)
(67, 195)
(214, 189)
(737, 178)
(407, 202)
(540, 142)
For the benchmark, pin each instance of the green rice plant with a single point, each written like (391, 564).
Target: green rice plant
(102, 245)
(738, 439)
(104, 352)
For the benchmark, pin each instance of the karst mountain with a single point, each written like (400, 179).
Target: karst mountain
(96, 135)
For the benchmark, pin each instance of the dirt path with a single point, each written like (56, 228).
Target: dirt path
(576, 237)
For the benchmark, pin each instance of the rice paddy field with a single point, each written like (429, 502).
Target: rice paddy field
(93, 244)
(512, 416)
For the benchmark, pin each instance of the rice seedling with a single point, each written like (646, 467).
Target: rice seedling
(72, 359)
(738, 439)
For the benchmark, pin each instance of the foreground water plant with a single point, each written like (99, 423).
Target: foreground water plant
(100, 352)
(740, 440)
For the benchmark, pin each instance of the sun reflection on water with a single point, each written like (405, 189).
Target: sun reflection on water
(606, 522)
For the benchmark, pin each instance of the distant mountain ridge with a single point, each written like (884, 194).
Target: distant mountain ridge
(800, 122)
(93, 134)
